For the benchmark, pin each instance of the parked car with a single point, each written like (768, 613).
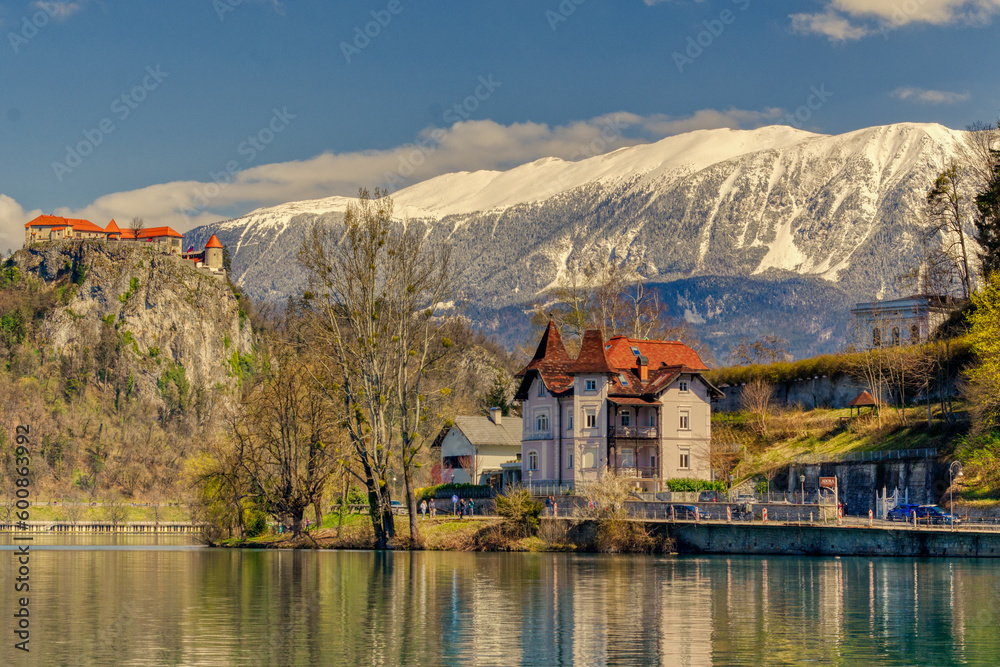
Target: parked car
(689, 513)
(901, 512)
(935, 515)
(397, 507)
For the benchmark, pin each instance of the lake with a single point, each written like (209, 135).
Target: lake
(167, 601)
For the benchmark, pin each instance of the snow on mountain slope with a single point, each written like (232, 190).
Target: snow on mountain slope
(843, 209)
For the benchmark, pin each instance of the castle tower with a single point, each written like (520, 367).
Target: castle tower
(213, 253)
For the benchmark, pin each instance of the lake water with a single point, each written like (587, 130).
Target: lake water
(166, 601)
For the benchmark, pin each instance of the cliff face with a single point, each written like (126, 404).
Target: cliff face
(160, 313)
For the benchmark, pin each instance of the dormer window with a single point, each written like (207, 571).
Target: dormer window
(590, 385)
(541, 388)
(683, 386)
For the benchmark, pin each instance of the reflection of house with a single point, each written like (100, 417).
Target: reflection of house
(900, 321)
(639, 407)
(474, 448)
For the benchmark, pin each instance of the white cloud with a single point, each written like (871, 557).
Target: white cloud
(59, 10)
(465, 146)
(929, 96)
(829, 24)
(879, 16)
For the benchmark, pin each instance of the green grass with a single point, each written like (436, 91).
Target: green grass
(58, 512)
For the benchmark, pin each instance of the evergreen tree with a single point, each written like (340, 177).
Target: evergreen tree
(988, 220)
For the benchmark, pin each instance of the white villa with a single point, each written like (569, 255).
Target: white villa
(900, 321)
(474, 449)
(639, 407)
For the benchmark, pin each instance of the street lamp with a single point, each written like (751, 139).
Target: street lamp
(954, 470)
(529, 480)
(802, 482)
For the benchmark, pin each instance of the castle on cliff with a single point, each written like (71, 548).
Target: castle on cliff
(51, 228)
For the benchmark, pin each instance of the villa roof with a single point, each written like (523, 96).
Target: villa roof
(659, 352)
(482, 431)
(213, 242)
(113, 228)
(592, 357)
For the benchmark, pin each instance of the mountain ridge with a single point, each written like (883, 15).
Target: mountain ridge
(776, 201)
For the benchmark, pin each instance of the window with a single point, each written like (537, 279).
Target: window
(626, 418)
(652, 461)
(685, 462)
(541, 388)
(684, 386)
(636, 352)
(590, 417)
(590, 457)
(652, 419)
(895, 335)
(532, 460)
(914, 334)
(628, 458)
(876, 337)
(569, 420)
(685, 421)
(591, 385)
(542, 423)
(569, 458)
(623, 379)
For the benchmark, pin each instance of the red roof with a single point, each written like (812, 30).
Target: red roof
(592, 358)
(151, 233)
(213, 242)
(55, 221)
(659, 352)
(112, 227)
(862, 400)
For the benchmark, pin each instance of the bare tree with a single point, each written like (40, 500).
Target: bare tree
(767, 350)
(947, 213)
(137, 224)
(285, 439)
(756, 398)
(377, 292)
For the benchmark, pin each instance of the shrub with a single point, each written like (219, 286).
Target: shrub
(684, 484)
(519, 512)
(461, 490)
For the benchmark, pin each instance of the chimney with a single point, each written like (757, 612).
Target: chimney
(496, 415)
(643, 364)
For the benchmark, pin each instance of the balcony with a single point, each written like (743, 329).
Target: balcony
(635, 472)
(648, 432)
(538, 435)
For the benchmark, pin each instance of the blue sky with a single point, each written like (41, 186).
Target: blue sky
(289, 100)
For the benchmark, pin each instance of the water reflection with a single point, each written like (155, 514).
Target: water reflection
(154, 604)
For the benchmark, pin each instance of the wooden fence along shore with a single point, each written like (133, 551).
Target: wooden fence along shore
(185, 527)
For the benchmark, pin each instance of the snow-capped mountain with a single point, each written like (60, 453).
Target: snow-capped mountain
(836, 215)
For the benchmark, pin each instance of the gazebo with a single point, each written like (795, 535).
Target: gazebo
(863, 400)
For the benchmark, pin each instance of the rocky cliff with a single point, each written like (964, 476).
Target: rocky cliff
(166, 320)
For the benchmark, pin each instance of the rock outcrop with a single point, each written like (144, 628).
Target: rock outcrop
(165, 313)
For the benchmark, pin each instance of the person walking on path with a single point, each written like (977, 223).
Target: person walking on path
(461, 508)
(423, 509)
(434, 508)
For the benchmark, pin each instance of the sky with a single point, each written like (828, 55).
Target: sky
(191, 111)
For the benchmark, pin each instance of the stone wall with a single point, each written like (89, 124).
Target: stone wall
(819, 392)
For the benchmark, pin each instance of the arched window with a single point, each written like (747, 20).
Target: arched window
(876, 337)
(532, 460)
(915, 334)
(895, 335)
